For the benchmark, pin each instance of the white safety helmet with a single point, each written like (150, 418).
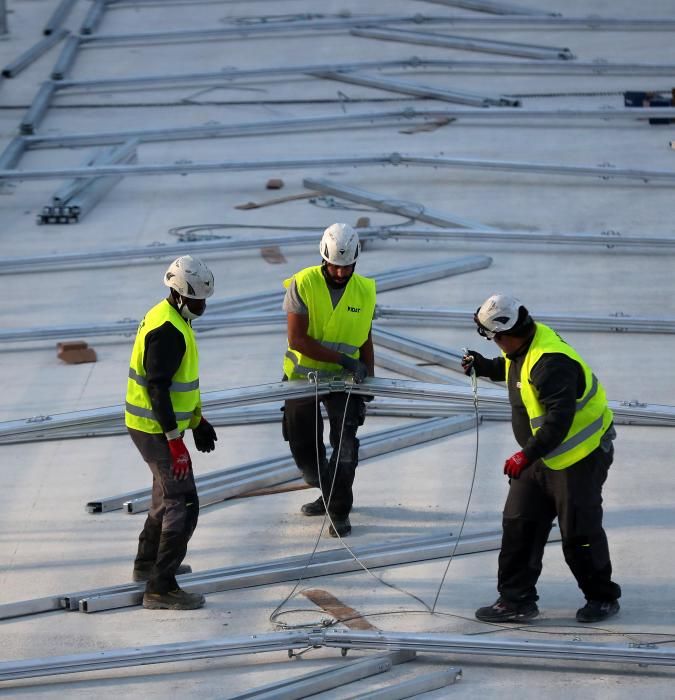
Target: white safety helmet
(497, 314)
(190, 277)
(340, 245)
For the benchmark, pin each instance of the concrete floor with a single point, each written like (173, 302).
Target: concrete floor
(50, 545)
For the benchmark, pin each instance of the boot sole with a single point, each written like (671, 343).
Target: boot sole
(512, 618)
(158, 605)
(313, 514)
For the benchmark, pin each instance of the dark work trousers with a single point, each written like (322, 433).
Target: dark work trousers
(574, 495)
(308, 450)
(172, 517)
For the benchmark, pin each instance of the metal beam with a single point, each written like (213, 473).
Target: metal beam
(605, 173)
(66, 58)
(414, 687)
(12, 69)
(466, 43)
(59, 15)
(611, 323)
(261, 305)
(343, 121)
(524, 650)
(407, 88)
(497, 8)
(326, 679)
(392, 205)
(329, 562)
(415, 63)
(216, 487)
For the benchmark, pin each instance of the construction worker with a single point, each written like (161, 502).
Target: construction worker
(562, 422)
(329, 311)
(163, 400)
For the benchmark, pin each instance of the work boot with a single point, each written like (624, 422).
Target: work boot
(597, 610)
(144, 574)
(505, 611)
(340, 527)
(314, 508)
(177, 599)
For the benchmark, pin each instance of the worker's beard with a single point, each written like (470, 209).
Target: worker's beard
(335, 283)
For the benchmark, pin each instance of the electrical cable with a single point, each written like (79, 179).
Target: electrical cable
(278, 610)
(474, 387)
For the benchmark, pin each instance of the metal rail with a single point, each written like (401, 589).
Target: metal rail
(523, 650)
(392, 205)
(466, 43)
(418, 90)
(611, 323)
(605, 173)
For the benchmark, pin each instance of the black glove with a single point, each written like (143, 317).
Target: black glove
(474, 360)
(356, 367)
(205, 436)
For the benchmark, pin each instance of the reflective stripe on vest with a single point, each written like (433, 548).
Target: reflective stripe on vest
(592, 415)
(344, 328)
(184, 389)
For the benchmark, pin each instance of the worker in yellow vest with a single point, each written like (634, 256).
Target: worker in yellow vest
(329, 313)
(562, 422)
(162, 402)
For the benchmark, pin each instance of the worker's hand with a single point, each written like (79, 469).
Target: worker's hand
(205, 436)
(474, 360)
(515, 464)
(356, 367)
(180, 459)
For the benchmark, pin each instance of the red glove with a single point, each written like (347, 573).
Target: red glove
(515, 464)
(180, 459)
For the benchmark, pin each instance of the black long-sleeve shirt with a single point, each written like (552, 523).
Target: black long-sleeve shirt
(164, 351)
(559, 381)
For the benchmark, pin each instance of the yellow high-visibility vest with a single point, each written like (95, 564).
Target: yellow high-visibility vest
(184, 390)
(344, 328)
(592, 417)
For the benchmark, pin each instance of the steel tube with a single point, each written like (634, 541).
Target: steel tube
(388, 204)
(520, 649)
(466, 43)
(57, 18)
(338, 561)
(390, 159)
(94, 16)
(66, 58)
(498, 8)
(612, 323)
(319, 681)
(13, 68)
(455, 66)
(414, 687)
(161, 653)
(36, 112)
(372, 119)
(407, 88)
